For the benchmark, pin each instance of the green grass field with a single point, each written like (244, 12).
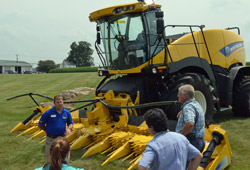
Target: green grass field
(18, 153)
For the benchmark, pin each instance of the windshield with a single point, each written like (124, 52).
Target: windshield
(127, 41)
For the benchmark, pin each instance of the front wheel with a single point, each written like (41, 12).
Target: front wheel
(204, 94)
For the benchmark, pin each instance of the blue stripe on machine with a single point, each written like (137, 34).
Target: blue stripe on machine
(229, 49)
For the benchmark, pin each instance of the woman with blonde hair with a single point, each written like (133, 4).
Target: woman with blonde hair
(59, 156)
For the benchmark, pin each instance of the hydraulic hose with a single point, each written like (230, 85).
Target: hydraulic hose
(35, 112)
(217, 138)
(161, 103)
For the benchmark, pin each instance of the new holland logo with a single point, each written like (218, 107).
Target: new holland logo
(228, 50)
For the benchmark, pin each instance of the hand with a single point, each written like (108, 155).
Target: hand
(178, 115)
(68, 132)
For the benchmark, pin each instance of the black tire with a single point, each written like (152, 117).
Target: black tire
(202, 86)
(241, 98)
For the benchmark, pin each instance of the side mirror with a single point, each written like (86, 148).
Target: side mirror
(98, 38)
(98, 35)
(160, 26)
(159, 14)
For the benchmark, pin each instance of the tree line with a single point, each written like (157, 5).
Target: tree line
(80, 55)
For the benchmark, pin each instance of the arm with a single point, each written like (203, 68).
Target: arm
(147, 158)
(179, 113)
(141, 167)
(69, 130)
(187, 128)
(189, 119)
(43, 120)
(41, 127)
(195, 162)
(70, 125)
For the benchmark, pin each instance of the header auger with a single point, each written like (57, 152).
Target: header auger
(149, 67)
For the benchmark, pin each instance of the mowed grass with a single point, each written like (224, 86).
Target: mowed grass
(18, 153)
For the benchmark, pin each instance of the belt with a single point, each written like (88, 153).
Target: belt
(192, 137)
(53, 137)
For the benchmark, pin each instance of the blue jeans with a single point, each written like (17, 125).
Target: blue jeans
(198, 143)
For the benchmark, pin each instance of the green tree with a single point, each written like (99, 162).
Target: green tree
(81, 54)
(46, 65)
(57, 65)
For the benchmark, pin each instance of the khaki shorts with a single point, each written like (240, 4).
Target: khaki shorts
(48, 143)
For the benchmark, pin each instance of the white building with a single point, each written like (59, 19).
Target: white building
(14, 67)
(66, 64)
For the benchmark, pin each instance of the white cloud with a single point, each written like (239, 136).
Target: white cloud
(39, 30)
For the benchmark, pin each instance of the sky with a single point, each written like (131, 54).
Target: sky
(34, 30)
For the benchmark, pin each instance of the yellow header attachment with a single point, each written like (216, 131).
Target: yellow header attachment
(119, 9)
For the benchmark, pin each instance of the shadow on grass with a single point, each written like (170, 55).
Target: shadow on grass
(76, 154)
(225, 116)
(95, 161)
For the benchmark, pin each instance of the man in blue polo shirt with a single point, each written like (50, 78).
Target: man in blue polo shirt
(54, 121)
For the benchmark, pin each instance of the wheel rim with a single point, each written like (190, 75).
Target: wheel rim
(199, 97)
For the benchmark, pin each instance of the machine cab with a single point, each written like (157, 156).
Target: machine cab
(129, 38)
